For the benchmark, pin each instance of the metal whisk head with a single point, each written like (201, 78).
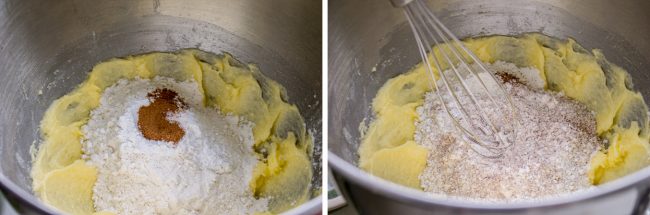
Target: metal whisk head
(470, 94)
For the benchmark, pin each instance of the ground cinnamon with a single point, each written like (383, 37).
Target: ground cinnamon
(508, 78)
(152, 119)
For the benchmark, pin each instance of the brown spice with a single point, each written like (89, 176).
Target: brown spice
(507, 78)
(152, 119)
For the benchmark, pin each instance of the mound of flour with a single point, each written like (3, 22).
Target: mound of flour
(206, 172)
(554, 143)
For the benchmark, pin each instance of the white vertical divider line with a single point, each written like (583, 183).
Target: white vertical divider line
(324, 104)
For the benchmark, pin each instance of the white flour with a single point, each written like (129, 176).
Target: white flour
(554, 144)
(206, 172)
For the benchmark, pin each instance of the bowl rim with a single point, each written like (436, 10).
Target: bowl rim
(24, 196)
(412, 196)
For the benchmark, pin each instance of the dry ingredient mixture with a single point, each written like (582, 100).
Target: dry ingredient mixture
(555, 140)
(158, 150)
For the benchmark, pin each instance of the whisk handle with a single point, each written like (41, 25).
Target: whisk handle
(400, 3)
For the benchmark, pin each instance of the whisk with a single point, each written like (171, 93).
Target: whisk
(470, 94)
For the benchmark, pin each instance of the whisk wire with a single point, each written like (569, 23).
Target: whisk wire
(455, 70)
(474, 59)
(444, 78)
(429, 33)
(426, 49)
(454, 49)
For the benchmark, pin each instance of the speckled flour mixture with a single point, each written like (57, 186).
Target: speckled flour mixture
(207, 170)
(554, 144)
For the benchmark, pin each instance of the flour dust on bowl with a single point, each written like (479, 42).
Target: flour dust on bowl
(575, 79)
(161, 107)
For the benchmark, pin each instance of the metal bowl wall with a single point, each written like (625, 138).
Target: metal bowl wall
(49, 47)
(367, 35)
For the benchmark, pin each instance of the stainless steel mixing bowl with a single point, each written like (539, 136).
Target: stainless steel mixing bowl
(47, 48)
(369, 33)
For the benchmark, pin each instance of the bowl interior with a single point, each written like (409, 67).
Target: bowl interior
(368, 47)
(49, 47)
